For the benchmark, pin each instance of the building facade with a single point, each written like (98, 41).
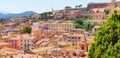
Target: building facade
(67, 13)
(15, 42)
(66, 26)
(27, 42)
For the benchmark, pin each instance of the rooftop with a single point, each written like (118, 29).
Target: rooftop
(4, 43)
(64, 43)
(8, 51)
(75, 35)
(42, 49)
(42, 40)
(27, 36)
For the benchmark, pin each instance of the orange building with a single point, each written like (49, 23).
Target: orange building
(39, 32)
(48, 33)
(36, 32)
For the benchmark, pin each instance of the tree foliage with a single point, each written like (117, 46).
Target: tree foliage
(78, 6)
(68, 7)
(107, 40)
(79, 24)
(106, 11)
(26, 30)
(46, 15)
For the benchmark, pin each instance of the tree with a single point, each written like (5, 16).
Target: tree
(2, 20)
(68, 7)
(87, 26)
(46, 15)
(78, 6)
(107, 40)
(106, 11)
(26, 29)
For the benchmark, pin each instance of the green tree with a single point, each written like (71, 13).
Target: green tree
(107, 40)
(79, 24)
(26, 29)
(78, 6)
(46, 15)
(106, 11)
(68, 7)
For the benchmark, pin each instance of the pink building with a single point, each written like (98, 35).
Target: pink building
(67, 13)
(15, 42)
(23, 42)
(73, 14)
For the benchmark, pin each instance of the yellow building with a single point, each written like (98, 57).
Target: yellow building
(60, 26)
(97, 16)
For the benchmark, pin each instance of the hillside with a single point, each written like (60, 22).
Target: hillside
(27, 13)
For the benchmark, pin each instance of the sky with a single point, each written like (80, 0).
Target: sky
(39, 6)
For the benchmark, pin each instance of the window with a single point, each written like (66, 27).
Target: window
(67, 53)
(78, 37)
(74, 54)
(31, 40)
(82, 48)
(24, 45)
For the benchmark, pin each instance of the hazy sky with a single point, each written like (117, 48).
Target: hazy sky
(17, 6)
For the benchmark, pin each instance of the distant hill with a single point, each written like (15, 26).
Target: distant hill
(7, 15)
(3, 12)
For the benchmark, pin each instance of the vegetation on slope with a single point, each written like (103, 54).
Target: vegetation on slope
(107, 40)
(26, 29)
